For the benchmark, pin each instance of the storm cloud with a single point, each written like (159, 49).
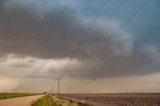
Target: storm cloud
(39, 39)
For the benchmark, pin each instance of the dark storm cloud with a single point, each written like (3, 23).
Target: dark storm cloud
(47, 30)
(46, 34)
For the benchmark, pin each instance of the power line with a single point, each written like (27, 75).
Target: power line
(111, 35)
(98, 32)
(102, 26)
(85, 35)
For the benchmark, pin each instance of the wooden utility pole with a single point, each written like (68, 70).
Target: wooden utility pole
(58, 79)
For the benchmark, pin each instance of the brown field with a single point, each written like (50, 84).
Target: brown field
(120, 99)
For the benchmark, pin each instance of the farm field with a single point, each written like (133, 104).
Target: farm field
(13, 95)
(113, 99)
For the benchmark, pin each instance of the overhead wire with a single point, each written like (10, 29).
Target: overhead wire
(126, 22)
(98, 32)
(90, 27)
(112, 34)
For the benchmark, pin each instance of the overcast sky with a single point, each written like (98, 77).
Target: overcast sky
(40, 40)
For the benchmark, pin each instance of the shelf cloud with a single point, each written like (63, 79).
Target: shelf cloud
(39, 39)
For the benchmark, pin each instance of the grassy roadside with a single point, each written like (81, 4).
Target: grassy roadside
(49, 100)
(71, 101)
(44, 101)
(14, 95)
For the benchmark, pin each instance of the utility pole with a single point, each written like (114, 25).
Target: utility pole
(58, 79)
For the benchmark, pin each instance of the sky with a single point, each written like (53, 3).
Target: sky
(40, 41)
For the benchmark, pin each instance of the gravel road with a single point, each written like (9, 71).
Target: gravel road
(20, 101)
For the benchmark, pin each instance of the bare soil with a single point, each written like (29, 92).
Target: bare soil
(121, 99)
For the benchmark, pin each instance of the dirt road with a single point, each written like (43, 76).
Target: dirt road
(20, 101)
